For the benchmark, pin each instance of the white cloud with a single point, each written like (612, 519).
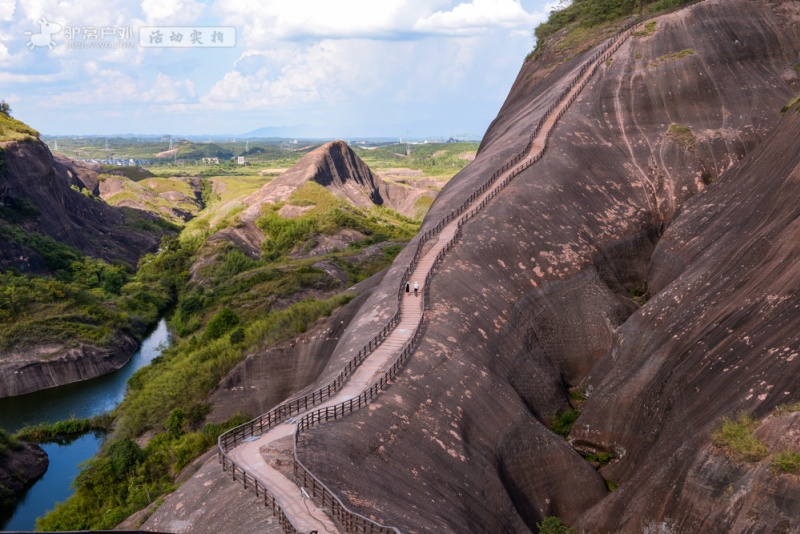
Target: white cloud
(385, 19)
(179, 12)
(7, 8)
(466, 18)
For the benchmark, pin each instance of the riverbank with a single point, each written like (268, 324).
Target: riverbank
(84, 400)
(53, 366)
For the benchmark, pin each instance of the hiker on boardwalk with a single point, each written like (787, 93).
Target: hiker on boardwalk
(408, 287)
(416, 288)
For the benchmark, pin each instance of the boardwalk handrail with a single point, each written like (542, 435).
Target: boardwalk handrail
(352, 521)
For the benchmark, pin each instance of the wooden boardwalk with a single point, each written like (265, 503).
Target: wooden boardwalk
(303, 513)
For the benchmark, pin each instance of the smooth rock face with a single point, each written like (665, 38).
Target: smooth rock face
(535, 298)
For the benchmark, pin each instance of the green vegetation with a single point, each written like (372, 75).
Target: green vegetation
(183, 375)
(13, 130)
(189, 150)
(86, 299)
(132, 173)
(737, 438)
(563, 421)
(578, 393)
(787, 461)
(611, 485)
(586, 14)
(421, 207)
(663, 5)
(602, 458)
(682, 136)
(648, 30)
(793, 103)
(676, 55)
(65, 431)
(433, 159)
(786, 409)
(609, 61)
(7, 443)
(553, 525)
(125, 477)
(326, 214)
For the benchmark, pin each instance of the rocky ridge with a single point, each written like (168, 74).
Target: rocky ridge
(698, 229)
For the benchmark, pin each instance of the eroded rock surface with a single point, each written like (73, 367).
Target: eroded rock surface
(32, 174)
(543, 294)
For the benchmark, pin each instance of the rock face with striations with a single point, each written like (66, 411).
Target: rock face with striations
(673, 177)
(649, 259)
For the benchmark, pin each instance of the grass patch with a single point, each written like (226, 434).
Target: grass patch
(553, 525)
(602, 458)
(681, 135)
(579, 393)
(421, 207)
(328, 215)
(663, 5)
(65, 431)
(609, 61)
(787, 461)
(676, 55)
(737, 438)
(786, 409)
(563, 421)
(611, 485)
(13, 130)
(648, 30)
(793, 103)
(8, 443)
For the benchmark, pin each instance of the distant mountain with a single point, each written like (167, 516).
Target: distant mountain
(277, 132)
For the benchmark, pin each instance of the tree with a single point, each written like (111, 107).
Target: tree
(5, 109)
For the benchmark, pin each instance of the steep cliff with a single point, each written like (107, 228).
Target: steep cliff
(36, 186)
(671, 179)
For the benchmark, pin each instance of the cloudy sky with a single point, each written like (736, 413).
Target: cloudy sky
(314, 68)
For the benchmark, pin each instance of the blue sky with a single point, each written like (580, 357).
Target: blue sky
(315, 68)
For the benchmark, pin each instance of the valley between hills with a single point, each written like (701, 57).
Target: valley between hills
(606, 339)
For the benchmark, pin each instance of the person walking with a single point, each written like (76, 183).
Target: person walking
(408, 287)
(416, 288)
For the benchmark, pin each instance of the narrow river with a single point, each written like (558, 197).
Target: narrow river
(83, 399)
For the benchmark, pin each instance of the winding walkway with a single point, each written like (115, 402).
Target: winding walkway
(243, 451)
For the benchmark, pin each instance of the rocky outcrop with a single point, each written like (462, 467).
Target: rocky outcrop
(337, 168)
(31, 176)
(20, 466)
(544, 293)
(49, 366)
